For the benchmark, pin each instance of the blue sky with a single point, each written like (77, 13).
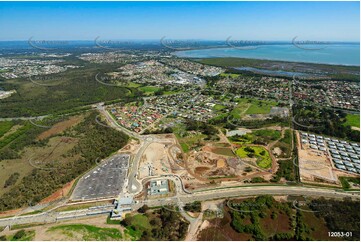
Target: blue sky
(331, 21)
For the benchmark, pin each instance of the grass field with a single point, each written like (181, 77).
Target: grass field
(269, 133)
(353, 120)
(190, 141)
(223, 151)
(262, 136)
(262, 155)
(240, 109)
(258, 106)
(252, 106)
(232, 75)
(5, 126)
(141, 221)
(218, 107)
(149, 89)
(170, 92)
(87, 232)
(187, 141)
(133, 84)
(38, 157)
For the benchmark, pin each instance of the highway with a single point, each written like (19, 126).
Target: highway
(52, 216)
(182, 195)
(182, 198)
(229, 192)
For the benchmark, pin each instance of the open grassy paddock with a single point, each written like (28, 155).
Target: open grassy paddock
(262, 155)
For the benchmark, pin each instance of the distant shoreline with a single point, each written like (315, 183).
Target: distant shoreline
(266, 67)
(278, 61)
(345, 55)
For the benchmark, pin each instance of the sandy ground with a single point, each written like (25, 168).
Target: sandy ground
(277, 151)
(355, 128)
(153, 160)
(157, 157)
(314, 164)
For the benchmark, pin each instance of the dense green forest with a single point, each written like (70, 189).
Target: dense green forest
(249, 216)
(340, 216)
(324, 121)
(69, 91)
(157, 225)
(95, 141)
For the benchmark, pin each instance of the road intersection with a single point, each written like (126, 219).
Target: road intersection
(182, 195)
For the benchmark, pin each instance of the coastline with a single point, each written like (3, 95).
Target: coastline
(227, 53)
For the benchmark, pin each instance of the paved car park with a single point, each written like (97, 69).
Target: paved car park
(344, 155)
(107, 179)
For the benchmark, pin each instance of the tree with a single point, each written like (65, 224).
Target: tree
(274, 215)
(249, 149)
(248, 169)
(143, 209)
(20, 234)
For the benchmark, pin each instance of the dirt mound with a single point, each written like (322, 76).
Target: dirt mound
(201, 170)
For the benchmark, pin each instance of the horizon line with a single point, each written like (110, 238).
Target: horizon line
(183, 39)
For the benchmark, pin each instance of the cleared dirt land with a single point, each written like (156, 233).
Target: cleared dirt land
(314, 164)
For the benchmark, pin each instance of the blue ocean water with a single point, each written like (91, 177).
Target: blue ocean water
(337, 54)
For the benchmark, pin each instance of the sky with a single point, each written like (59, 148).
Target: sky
(272, 21)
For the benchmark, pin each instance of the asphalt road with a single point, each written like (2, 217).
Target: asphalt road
(182, 196)
(226, 192)
(255, 191)
(134, 186)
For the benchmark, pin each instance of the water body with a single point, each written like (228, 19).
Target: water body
(271, 72)
(336, 54)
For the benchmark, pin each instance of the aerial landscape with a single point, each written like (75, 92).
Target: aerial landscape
(195, 121)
